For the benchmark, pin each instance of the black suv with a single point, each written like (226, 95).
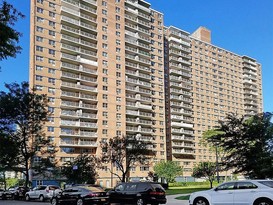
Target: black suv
(139, 193)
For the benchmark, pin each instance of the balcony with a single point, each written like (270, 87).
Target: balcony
(78, 86)
(78, 143)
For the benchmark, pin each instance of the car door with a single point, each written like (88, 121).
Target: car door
(223, 194)
(116, 195)
(32, 192)
(130, 192)
(243, 191)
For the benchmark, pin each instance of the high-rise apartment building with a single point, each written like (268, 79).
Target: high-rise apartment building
(111, 68)
(203, 84)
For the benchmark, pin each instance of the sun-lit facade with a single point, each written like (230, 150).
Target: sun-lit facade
(111, 68)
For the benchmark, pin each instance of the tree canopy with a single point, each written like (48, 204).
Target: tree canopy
(206, 170)
(168, 169)
(124, 153)
(247, 144)
(81, 170)
(22, 118)
(9, 36)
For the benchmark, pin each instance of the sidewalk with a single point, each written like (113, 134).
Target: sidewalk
(172, 201)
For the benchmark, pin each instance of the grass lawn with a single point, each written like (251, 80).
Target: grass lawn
(184, 190)
(186, 197)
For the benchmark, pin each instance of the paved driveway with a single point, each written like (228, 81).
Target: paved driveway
(172, 201)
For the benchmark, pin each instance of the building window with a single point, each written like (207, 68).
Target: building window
(39, 38)
(39, 78)
(40, 10)
(39, 48)
(39, 58)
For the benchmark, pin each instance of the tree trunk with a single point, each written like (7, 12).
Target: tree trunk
(27, 174)
(210, 183)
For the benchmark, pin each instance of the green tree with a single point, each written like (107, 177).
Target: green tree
(124, 153)
(206, 170)
(81, 170)
(168, 169)
(247, 144)
(22, 118)
(9, 36)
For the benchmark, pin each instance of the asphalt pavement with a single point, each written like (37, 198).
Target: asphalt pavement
(170, 201)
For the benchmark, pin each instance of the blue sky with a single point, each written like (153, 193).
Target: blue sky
(241, 26)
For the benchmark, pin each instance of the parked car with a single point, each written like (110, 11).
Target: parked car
(19, 192)
(15, 192)
(79, 195)
(246, 192)
(140, 193)
(43, 192)
(1, 192)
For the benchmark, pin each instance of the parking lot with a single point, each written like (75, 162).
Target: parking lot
(170, 201)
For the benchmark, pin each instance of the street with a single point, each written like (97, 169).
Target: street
(170, 201)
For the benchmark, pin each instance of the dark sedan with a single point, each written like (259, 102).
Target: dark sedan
(81, 195)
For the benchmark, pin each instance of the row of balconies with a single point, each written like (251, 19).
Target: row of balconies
(183, 144)
(180, 104)
(181, 60)
(179, 34)
(78, 14)
(78, 123)
(78, 143)
(181, 124)
(180, 98)
(139, 129)
(78, 86)
(138, 82)
(76, 114)
(139, 97)
(76, 3)
(137, 5)
(181, 111)
(78, 77)
(180, 91)
(135, 19)
(66, 103)
(139, 113)
(182, 131)
(180, 66)
(138, 121)
(78, 95)
(138, 89)
(78, 41)
(78, 32)
(78, 58)
(179, 47)
(136, 43)
(137, 66)
(78, 133)
(182, 138)
(138, 74)
(79, 23)
(183, 151)
(79, 68)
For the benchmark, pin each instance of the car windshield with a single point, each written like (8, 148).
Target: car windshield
(268, 183)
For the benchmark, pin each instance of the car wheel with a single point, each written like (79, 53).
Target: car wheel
(27, 198)
(54, 201)
(200, 201)
(41, 198)
(263, 201)
(79, 202)
(140, 201)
